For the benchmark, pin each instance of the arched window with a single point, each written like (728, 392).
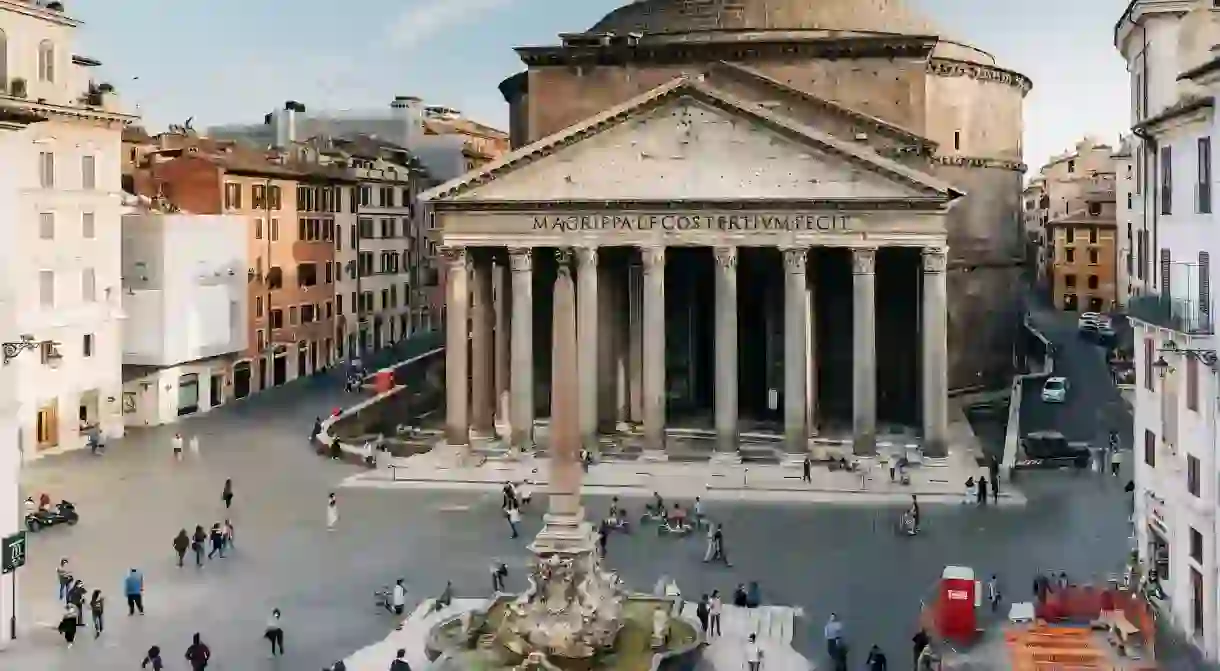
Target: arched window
(46, 61)
(3, 62)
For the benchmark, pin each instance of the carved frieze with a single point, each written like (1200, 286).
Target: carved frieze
(980, 162)
(795, 259)
(863, 261)
(949, 67)
(521, 259)
(934, 259)
(726, 257)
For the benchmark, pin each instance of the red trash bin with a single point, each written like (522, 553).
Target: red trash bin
(383, 381)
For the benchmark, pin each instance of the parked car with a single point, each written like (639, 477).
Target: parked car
(1055, 390)
(1088, 319)
(1051, 449)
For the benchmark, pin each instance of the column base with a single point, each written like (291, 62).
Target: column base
(864, 444)
(936, 449)
(725, 459)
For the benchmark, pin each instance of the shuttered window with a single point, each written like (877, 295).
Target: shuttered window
(1166, 268)
(1205, 283)
(1166, 180)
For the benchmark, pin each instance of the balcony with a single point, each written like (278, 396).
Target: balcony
(1177, 314)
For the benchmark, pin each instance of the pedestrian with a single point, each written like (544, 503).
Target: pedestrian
(514, 518)
(332, 512)
(133, 587)
(982, 493)
(194, 445)
(807, 470)
(702, 612)
(740, 600)
(275, 633)
(97, 606)
(181, 543)
(226, 530)
(719, 553)
(499, 571)
(226, 494)
(993, 473)
(177, 443)
(68, 624)
(76, 597)
(754, 654)
(198, 654)
(714, 607)
(399, 597)
(918, 642)
(317, 429)
(995, 489)
(400, 661)
(336, 451)
(64, 575)
(603, 537)
(970, 491)
(833, 631)
(876, 659)
(508, 498)
(218, 541)
(1116, 463)
(153, 658)
(197, 541)
(993, 593)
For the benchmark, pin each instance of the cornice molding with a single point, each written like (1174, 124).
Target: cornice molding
(745, 205)
(43, 13)
(49, 111)
(980, 162)
(951, 67)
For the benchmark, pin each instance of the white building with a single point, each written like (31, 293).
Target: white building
(1168, 49)
(66, 176)
(1124, 217)
(185, 280)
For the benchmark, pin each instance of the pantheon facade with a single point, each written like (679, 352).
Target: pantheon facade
(784, 218)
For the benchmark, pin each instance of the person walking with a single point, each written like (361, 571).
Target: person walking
(754, 654)
(714, 606)
(177, 445)
(198, 654)
(1116, 462)
(153, 659)
(499, 571)
(68, 624)
(970, 494)
(76, 597)
(993, 475)
(876, 659)
(514, 518)
(982, 490)
(97, 607)
(218, 541)
(226, 530)
(275, 633)
(702, 613)
(133, 587)
(181, 543)
(807, 470)
(197, 541)
(398, 599)
(64, 575)
(332, 512)
(918, 643)
(193, 443)
(835, 647)
(993, 593)
(400, 661)
(226, 494)
(720, 553)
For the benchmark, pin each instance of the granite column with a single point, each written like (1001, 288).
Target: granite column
(457, 343)
(864, 351)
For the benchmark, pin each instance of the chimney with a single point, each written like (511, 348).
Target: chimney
(286, 123)
(409, 112)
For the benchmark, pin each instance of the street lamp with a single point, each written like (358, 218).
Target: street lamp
(1206, 357)
(27, 343)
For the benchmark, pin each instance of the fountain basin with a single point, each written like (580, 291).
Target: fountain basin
(479, 641)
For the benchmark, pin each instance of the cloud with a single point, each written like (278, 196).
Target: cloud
(424, 19)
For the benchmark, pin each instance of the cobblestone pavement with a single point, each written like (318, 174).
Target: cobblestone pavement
(135, 498)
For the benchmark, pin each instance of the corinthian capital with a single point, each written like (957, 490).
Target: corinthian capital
(586, 257)
(726, 257)
(654, 259)
(863, 260)
(521, 259)
(453, 254)
(563, 260)
(796, 259)
(934, 259)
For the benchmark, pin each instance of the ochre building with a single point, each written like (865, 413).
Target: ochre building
(785, 217)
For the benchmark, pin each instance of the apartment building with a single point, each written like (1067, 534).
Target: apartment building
(62, 234)
(1124, 217)
(1065, 181)
(185, 278)
(1082, 253)
(291, 207)
(1034, 215)
(1174, 81)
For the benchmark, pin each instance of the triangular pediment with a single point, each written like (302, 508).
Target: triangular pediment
(688, 141)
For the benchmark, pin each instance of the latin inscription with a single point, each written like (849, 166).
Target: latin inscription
(694, 222)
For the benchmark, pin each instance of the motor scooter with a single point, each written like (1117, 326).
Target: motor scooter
(666, 529)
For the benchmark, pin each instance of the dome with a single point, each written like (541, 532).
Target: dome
(683, 16)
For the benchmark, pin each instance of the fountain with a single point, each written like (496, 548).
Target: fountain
(575, 616)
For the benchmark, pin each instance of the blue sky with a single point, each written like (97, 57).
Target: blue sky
(225, 61)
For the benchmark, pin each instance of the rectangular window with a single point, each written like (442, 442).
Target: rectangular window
(1192, 475)
(86, 345)
(88, 285)
(339, 304)
(1093, 232)
(46, 170)
(258, 307)
(260, 340)
(1149, 359)
(1093, 256)
(1196, 545)
(1069, 255)
(302, 229)
(88, 228)
(258, 196)
(292, 315)
(307, 274)
(1149, 448)
(330, 309)
(1192, 383)
(1093, 281)
(1166, 180)
(275, 230)
(1205, 283)
(329, 274)
(1203, 189)
(88, 172)
(277, 318)
(258, 229)
(307, 314)
(232, 196)
(1166, 268)
(1196, 602)
(1069, 281)
(46, 288)
(46, 225)
(275, 197)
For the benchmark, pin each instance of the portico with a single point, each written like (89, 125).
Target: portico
(732, 270)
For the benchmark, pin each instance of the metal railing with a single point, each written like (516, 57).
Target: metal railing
(1178, 314)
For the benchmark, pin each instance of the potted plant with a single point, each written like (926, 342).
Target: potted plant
(17, 87)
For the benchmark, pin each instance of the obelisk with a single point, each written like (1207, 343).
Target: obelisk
(565, 529)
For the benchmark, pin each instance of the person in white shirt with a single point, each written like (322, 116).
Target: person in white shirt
(713, 612)
(514, 518)
(399, 598)
(177, 444)
(754, 654)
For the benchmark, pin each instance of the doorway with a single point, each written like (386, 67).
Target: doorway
(241, 379)
(216, 391)
(313, 358)
(279, 369)
(302, 359)
(188, 394)
(48, 425)
(262, 373)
